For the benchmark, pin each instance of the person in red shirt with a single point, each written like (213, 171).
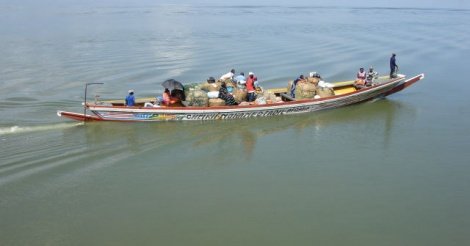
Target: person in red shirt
(250, 87)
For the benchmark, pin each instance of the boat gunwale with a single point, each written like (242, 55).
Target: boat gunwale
(253, 107)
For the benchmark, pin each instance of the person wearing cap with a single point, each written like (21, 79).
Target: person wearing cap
(371, 75)
(250, 87)
(228, 75)
(313, 78)
(211, 80)
(393, 66)
(130, 99)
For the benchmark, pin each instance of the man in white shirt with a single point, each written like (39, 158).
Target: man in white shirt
(228, 75)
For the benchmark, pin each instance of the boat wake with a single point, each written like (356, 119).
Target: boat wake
(29, 129)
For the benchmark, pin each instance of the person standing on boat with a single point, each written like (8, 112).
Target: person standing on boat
(250, 87)
(130, 99)
(393, 66)
(228, 75)
(294, 85)
(240, 80)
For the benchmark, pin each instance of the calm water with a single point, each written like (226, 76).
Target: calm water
(390, 172)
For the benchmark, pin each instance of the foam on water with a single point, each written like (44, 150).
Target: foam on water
(30, 129)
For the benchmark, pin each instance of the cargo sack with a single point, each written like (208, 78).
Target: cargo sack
(270, 96)
(313, 80)
(197, 98)
(305, 90)
(229, 82)
(289, 86)
(188, 87)
(260, 101)
(213, 94)
(239, 95)
(325, 92)
(211, 86)
(216, 102)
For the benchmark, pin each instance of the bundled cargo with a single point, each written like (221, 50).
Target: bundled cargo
(228, 82)
(270, 96)
(260, 100)
(289, 87)
(197, 97)
(213, 94)
(305, 90)
(214, 102)
(325, 92)
(210, 86)
(313, 80)
(239, 95)
(188, 87)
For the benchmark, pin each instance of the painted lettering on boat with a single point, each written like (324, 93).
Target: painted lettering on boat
(242, 115)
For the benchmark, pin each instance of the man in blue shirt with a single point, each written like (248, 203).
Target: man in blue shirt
(294, 85)
(393, 66)
(240, 79)
(130, 100)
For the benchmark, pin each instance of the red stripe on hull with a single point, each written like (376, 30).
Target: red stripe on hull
(77, 116)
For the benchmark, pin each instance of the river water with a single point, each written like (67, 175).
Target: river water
(390, 172)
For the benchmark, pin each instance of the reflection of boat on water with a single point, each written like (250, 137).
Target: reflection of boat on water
(241, 138)
(344, 94)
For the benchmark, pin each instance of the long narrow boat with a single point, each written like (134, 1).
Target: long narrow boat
(345, 94)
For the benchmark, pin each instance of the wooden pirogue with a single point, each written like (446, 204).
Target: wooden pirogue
(344, 94)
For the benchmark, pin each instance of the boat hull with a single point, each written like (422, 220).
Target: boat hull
(150, 114)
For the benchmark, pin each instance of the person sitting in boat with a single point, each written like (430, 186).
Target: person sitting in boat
(158, 102)
(250, 87)
(178, 94)
(130, 99)
(361, 74)
(228, 75)
(226, 96)
(371, 75)
(294, 85)
(167, 100)
(360, 81)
